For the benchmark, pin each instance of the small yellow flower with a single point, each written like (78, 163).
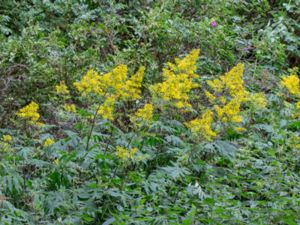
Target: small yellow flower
(298, 105)
(62, 89)
(48, 142)
(7, 138)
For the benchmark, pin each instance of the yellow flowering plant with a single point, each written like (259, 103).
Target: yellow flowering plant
(257, 100)
(105, 91)
(30, 113)
(111, 87)
(226, 94)
(143, 115)
(62, 89)
(7, 138)
(292, 84)
(70, 108)
(202, 126)
(48, 142)
(178, 81)
(125, 154)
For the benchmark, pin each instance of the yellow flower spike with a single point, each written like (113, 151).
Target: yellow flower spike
(145, 113)
(132, 87)
(114, 80)
(230, 112)
(7, 138)
(29, 112)
(90, 83)
(107, 108)
(236, 119)
(62, 89)
(177, 81)
(202, 126)
(298, 105)
(230, 89)
(48, 142)
(188, 63)
(234, 82)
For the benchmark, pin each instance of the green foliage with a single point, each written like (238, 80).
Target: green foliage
(241, 177)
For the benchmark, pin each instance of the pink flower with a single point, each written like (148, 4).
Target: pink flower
(213, 24)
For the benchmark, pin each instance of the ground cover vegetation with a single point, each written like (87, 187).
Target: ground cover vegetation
(149, 112)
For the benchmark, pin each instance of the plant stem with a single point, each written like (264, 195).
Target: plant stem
(90, 133)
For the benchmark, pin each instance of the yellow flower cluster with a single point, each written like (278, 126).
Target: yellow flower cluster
(115, 85)
(107, 108)
(89, 83)
(202, 125)
(143, 114)
(62, 89)
(258, 100)
(178, 81)
(231, 82)
(132, 87)
(48, 142)
(124, 153)
(30, 113)
(292, 84)
(70, 108)
(113, 81)
(7, 138)
(229, 112)
(232, 85)
(187, 64)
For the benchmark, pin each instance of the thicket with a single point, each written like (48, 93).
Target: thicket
(149, 112)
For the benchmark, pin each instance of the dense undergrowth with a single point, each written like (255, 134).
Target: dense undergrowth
(149, 112)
